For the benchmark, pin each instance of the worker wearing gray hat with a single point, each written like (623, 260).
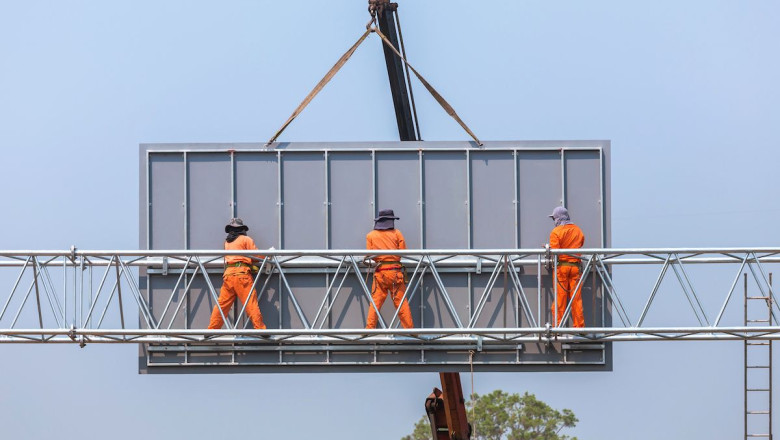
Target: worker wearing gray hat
(567, 235)
(237, 278)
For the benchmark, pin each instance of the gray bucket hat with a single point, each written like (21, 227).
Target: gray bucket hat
(560, 215)
(385, 220)
(236, 223)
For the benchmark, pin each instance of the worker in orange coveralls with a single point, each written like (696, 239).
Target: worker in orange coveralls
(388, 275)
(237, 278)
(567, 235)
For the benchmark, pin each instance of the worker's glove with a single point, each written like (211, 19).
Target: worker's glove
(269, 267)
(369, 262)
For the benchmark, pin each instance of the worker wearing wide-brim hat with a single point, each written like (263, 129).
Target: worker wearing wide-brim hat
(237, 278)
(388, 275)
(567, 235)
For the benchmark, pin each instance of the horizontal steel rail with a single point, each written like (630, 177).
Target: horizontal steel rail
(273, 150)
(393, 337)
(607, 253)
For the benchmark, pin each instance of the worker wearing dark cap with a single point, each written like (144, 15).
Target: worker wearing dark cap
(388, 275)
(237, 278)
(567, 235)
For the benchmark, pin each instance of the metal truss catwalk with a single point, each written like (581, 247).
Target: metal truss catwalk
(86, 297)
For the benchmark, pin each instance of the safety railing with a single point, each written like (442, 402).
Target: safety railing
(493, 296)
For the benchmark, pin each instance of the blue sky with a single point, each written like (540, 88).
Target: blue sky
(687, 92)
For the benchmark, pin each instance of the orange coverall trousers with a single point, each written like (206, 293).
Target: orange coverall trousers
(391, 281)
(237, 285)
(568, 277)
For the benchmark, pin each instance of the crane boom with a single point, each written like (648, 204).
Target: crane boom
(399, 87)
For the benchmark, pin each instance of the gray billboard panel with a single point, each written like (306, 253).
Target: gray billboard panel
(315, 196)
(399, 188)
(540, 190)
(208, 199)
(350, 198)
(493, 200)
(303, 201)
(257, 194)
(584, 199)
(166, 195)
(445, 201)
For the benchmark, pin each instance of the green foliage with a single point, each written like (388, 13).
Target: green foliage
(422, 430)
(503, 416)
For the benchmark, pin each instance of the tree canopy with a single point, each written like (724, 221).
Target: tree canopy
(503, 416)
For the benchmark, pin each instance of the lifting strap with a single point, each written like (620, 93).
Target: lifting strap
(328, 76)
(340, 63)
(440, 99)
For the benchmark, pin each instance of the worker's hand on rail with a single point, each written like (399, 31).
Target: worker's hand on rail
(369, 262)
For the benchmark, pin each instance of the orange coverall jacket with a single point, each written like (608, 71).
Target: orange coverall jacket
(237, 283)
(388, 277)
(568, 236)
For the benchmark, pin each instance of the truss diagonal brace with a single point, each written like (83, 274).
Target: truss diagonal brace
(444, 293)
(212, 291)
(297, 306)
(16, 285)
(610, 289)
(367, 292)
